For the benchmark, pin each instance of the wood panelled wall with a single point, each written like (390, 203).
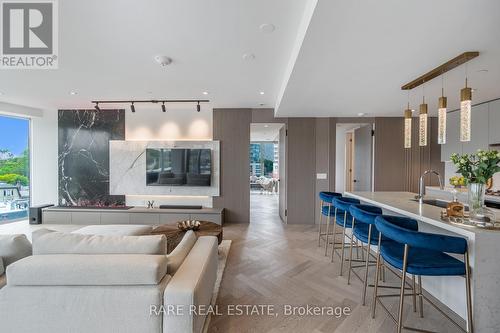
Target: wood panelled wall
(419, 159)
(301, 170)
(311, 150)
(397, 168)
(232, 128)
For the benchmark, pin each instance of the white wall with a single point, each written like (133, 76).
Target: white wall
(340, 159)
(44, 153)
(149, 123)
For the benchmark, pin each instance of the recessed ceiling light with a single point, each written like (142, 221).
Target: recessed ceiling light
(205, 93)
(266, 126)
(163, 60)
(482, 71)
(248, 56)
(262, 93)
(73, 93)
(361, 114)
(267, 28)
(474, 89)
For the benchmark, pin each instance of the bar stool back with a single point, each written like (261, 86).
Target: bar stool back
(343, 219)
(364, 230)
(325, 209)
(421, 253)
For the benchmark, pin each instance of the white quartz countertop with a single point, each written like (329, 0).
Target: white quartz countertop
(401, 203)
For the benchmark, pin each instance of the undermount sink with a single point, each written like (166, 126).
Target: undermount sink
(436, 203)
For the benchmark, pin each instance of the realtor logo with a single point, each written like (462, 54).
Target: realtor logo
(29, 38)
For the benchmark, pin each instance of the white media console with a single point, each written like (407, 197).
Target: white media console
(134, 215)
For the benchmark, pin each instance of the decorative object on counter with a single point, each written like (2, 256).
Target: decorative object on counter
(466, 221)
(189, 225)
(151, 203)
(455, 208)
(457, 181)
(477, 169)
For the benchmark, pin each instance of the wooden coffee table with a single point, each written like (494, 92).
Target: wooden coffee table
(174, 235)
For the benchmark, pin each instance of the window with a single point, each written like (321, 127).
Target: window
(14, 168)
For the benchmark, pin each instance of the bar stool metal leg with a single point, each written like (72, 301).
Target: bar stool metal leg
(402, 291)
(470, 326)
(377, 269)
(420, 297)
(414, 296)
(350, 254)
(363, 299)
(328, 219)
(342, 241)
(334, 234)
(320, 221)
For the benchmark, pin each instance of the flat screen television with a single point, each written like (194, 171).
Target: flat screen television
(178, 167)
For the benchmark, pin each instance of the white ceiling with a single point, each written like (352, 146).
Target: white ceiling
(325, 58)
(107, 47)
(265, 132)
(356, 55)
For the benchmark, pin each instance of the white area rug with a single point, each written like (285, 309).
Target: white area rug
(223, 254)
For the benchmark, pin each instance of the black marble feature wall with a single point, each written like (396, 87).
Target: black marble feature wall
(84, 156)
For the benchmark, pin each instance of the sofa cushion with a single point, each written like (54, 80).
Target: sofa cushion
(14, 247)
(87, 270)
(177, 256)
(115, 230)
(54, 242)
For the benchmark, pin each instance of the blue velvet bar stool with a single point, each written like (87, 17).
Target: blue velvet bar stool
(342, 219)
(364, 230)
(326, 210)
(420, 253)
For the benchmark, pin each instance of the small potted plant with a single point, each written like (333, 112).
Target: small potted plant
(477, 169)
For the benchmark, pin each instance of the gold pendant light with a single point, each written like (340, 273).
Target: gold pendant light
(407, 124)
(422, 124)
(442, 120)
(442, 104)
(422, 132)
(465, 112)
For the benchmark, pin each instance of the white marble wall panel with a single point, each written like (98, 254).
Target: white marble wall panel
(128, 168)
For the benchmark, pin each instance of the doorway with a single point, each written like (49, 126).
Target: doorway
(266, 172)
(354, 157)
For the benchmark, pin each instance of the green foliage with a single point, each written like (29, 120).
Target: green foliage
(15, 169)
(13, 179)
(479, 167)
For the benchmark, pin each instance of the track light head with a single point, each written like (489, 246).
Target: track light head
(132, 107)
(97, 106)
(163, 108)
(198, 107)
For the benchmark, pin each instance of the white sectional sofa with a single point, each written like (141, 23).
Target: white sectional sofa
(12, 248)
(82, 282)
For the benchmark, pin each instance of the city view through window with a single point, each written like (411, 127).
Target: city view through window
(14, 168)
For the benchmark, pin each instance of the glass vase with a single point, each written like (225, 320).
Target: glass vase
(477, 210)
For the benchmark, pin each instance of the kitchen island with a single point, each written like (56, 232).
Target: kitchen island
(484, 252)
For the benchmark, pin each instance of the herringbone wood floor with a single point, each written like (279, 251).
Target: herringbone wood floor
(272, 263)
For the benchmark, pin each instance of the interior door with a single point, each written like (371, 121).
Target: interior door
(363, 155)
(348, 162)
(282, 173)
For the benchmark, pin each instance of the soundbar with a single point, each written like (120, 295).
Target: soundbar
(180, 207)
